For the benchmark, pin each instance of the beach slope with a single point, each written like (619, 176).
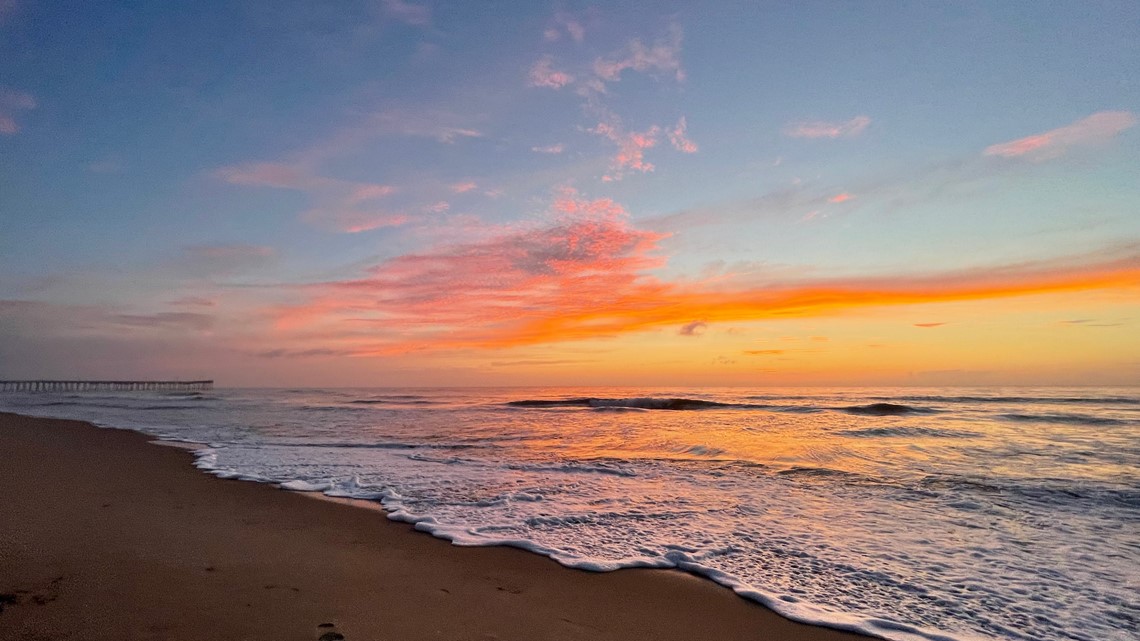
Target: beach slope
(106, 536)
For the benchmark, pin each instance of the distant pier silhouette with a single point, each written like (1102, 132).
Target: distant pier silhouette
(105, 386)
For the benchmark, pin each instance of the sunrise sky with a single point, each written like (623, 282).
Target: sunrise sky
(391, 192)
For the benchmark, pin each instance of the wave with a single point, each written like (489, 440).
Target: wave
(927, 432)
(410, 400)
(886, 409)
(1065, 419)
(1090, 400)
(1051, 491)
(645, 403)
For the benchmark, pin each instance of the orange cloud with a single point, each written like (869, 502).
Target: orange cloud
(1095, 129)
(587, 276)
(821, 129)
(840, 198)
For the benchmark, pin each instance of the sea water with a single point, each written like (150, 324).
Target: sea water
(903, 513)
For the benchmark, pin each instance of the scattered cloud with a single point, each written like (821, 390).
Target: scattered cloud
(695, 328)
(823, 129)
(407, 12)
(631, 147)
(549, 149)
(11, 103)
(764, 352)
(542, 74)
(677, 136)
(840, 198)
(929, 324)
(463, 187)
(565, 23)
(1093, 130)
(662, 57)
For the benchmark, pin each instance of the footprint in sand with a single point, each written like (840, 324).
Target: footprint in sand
(328, 632)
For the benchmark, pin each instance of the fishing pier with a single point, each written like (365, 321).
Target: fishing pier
(105, 386)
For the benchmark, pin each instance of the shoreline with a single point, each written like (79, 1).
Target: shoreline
(106, 535)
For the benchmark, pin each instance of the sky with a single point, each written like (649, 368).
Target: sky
(428, 193)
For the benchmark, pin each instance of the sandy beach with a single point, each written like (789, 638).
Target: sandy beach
(104, 535)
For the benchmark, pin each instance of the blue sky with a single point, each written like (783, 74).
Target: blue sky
(265, 157)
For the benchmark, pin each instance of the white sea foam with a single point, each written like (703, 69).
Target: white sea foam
(863, 510)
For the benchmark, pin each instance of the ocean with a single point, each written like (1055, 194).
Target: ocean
(905, 513)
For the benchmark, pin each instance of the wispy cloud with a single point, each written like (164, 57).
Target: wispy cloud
(929, 325)
(463, 187)
(1092, 130)
(565, 23)
(341, 205)
(679, 138)
(413, 14)
(11, 103)
(543, 74)
(210, 261)
(824, 129)
(663, 57)
(549, 149)
(193, 301)
(840, 198)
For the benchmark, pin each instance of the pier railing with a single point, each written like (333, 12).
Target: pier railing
(105, 386)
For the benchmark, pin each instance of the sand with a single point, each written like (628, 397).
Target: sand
(104, 535)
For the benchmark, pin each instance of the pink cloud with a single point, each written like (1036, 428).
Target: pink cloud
(11, 103)
(338, 205)
(364, 192)
(662, 57)
(677, 136)
(549, 149)
(542, 74)
(821, 129)
(352, 221)
(631, 147)
(587, 275)
(407, 12)
(470, 291)
(463, 187)
(840, 198)
(1095, 129)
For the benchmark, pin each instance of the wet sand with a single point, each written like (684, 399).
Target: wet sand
(106, 536)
